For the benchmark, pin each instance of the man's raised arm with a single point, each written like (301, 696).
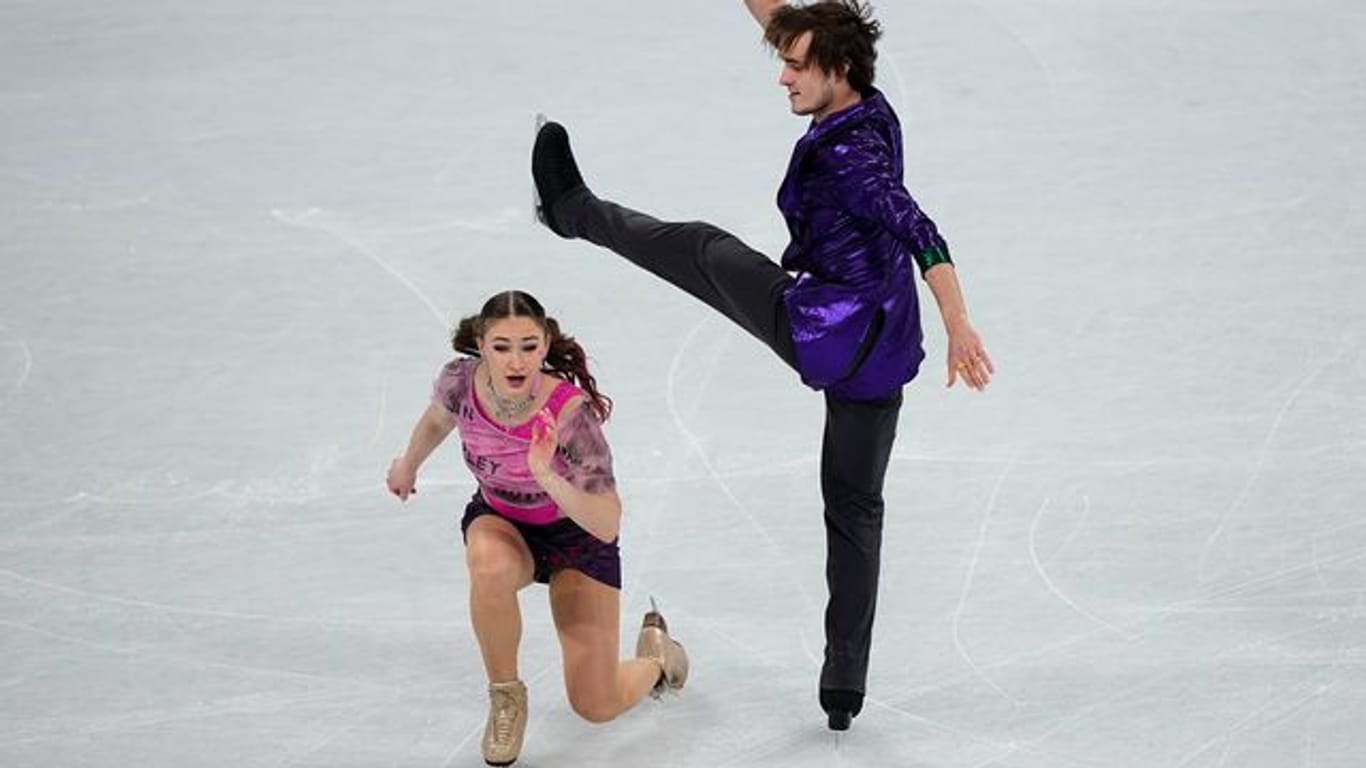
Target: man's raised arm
(762, 10)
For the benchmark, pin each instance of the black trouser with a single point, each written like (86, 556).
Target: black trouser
(854, 455)
(747, 287)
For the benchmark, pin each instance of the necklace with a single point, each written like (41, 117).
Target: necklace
(509, 408)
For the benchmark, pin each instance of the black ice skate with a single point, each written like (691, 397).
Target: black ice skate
(840, 707)
(554, 171)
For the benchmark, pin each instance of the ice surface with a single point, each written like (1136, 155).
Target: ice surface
(234, 234)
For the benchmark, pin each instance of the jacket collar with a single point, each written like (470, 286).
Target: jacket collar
(872, 103)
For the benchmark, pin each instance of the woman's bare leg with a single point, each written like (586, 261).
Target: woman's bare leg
(500, 565)
(600, 684)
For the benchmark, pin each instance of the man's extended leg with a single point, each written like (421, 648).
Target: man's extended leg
(710, 264)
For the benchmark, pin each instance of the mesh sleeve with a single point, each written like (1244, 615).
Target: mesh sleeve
(586, 455)
(452, 384)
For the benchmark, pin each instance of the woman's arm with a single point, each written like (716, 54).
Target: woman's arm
(429, 432)
(597, 513)
(590, 497)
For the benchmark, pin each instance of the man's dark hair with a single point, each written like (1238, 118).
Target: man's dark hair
(843, 35)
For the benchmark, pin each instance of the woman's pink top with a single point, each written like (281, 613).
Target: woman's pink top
(496, 454)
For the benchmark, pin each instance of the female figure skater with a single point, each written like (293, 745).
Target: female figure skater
(529, 415)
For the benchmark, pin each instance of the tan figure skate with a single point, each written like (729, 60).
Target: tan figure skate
(654, 643)
(507, 722)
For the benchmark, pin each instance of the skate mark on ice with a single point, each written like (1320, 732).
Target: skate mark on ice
(1050, 80)
(27, 368)
(1230, 736)
(252, 704)
(305, 219)
(1272, 578)
(210, 613)
(359, 715)
(1128, 694)
(1043, 574)
(1076, 530)
(1133, 627)
(1263, 454)
(359, 685)
(967, 584)
(383, 406)
(1007, 748)
(695, 445)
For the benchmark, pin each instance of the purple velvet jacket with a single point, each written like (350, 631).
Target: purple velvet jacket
(855, 232)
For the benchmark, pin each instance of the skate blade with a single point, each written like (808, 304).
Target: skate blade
(653, 618)
(537, 210)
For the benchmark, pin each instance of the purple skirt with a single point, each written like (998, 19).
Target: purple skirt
(557, 546)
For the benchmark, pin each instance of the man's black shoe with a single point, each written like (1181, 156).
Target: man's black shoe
(841, 706)
(554, 171)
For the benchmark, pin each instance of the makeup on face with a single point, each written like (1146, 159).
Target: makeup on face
(514, 349)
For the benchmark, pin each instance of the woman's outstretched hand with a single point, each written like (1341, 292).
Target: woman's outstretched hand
(402, 479)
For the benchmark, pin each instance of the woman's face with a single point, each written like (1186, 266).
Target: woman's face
(513, 348)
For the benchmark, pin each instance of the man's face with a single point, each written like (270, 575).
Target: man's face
(810, 91)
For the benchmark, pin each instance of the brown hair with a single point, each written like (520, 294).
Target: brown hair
(565, 356)
(843, 36)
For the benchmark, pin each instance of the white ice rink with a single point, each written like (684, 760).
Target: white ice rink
(233, 236)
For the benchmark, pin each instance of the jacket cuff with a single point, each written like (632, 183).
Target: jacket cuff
(935, 254)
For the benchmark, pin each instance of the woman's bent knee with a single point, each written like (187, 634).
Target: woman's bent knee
(494, 567)
(594, 708)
